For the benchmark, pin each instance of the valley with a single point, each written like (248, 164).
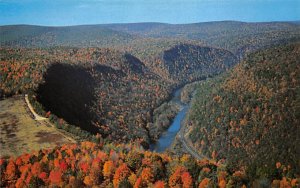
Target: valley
(139, 105)
(250, 131)
(167, 137)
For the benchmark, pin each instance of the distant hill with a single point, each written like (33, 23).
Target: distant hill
(181, 61)
(295, 22)
(186, 63)
(237, 37)
(75, 36)
(127, 70)
(250, 116)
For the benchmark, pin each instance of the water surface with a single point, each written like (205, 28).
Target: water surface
(167, 138)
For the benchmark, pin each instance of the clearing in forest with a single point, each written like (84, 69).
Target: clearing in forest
(20, 133)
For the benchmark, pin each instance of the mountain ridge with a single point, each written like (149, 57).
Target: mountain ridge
(249, 115)
(240, 38)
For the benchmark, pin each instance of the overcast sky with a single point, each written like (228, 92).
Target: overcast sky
(75, 12)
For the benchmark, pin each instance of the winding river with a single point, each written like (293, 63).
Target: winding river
(167, 138)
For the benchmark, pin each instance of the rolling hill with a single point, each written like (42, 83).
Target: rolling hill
(128, 80)
(237, 37)
(104, 90)
(99, 90)
(110, 84)
(240, 38)
(250, 115)
(187, 63)
(72, 36)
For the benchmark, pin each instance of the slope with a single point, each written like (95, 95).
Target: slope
(75, 36)
(237, 37)
(250, 116)
(20, 133)
(99, 90)
(92, 165)
(104, 90)
(240, 38)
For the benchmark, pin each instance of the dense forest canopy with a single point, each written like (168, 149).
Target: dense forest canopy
(111, 84)
(250, 115)
(114, 89)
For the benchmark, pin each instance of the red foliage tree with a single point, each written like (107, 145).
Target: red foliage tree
(159, 184)
(176, 180)
(187, 180)
(10, 170)
(55, 177)
(147, 175)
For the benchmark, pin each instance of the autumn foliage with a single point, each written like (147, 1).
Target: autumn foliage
(250, 115)
(246, 120)
(89, 164)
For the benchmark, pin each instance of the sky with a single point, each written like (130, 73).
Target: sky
(79, 12)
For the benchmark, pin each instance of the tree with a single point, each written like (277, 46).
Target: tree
(176, 180)
(10, 170)
(159, 184)
(108, 169)
(84, 167)
(147, 175)
(55, 177)
(187, 180)
(88, 181)
(20, 183)
(36, 169)
(122, 173)
(138, 183)
(132, 179)
(204, 183)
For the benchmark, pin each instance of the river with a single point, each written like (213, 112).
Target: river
(167, 138)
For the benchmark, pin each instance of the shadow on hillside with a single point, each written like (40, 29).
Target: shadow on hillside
(68, 92)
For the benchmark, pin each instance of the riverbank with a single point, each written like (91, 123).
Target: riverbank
(181, 99)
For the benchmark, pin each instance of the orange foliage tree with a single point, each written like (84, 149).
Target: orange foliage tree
(122, 173)
(108, 169)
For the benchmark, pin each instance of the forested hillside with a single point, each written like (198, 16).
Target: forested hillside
(127, 81)
(238, 37)
(72, 36)
(111, 84)
(181, 61)
(250, 115)
(89, 164)
(104, 90)
(99, 90)
(186, 63)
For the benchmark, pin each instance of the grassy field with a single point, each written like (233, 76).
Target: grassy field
(20, 133)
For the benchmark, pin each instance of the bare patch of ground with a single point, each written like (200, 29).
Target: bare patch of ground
(20, 133)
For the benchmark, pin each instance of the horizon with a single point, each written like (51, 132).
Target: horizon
(98, 12)
(103, 24)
